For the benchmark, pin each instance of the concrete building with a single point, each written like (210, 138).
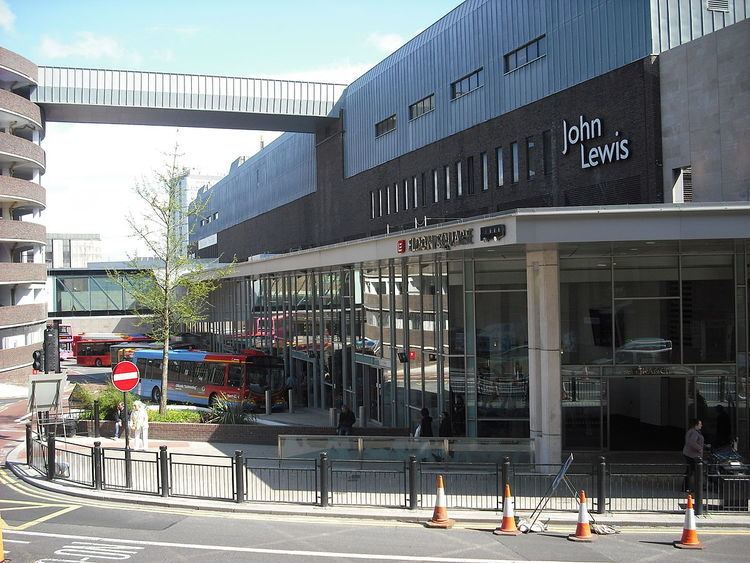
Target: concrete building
(72, 250)
(23, 311)
(532, 218)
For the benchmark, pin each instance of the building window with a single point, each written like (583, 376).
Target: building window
(372, 204)
(682, 188)
(459, 179)
(414, 198)
(380, 202)
(406, 195)
(216, 215)
(514, 162)
(485, 172)
(547, 151)
(425, 105)
(470, 175)
(467, 84)
(385, 126)
(525, 54)
(447, 171)
(530, 166)
(388, 201)
(500, 166)
(396, 195)
(435, 186)
(422, 190)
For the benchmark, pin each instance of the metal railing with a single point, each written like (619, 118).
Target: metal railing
(409, 484)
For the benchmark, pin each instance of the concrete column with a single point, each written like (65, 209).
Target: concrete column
(543, 299)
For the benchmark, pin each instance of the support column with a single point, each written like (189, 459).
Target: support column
(543, 300)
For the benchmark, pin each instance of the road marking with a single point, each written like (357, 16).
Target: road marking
(6, 540)
(265, 551)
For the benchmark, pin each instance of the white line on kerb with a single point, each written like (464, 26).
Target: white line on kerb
(294, 552)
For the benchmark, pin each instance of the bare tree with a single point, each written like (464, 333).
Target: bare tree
(173, 291)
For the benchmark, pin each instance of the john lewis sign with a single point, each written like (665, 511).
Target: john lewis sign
(583, 132)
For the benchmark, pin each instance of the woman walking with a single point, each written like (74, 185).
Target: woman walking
(139, 425)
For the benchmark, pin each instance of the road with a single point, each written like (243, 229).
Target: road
(46, 526)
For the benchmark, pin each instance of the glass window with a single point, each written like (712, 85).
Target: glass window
(447, 171)
(459, 179)
(500, 165)
(647, 331)
(435, 188)
(646, 276)
(530, 165)
(470, 175)
(385, 126)
(406, 195)
(422, 189)
(467, 84)
(485, 172)
(234, 378)
(388, 200)
(396, 193)
(372, 204)
(514, 161)
(421, 107)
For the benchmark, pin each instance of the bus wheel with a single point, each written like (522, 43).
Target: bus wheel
(212, 400)
(98, 363)
(156, 395)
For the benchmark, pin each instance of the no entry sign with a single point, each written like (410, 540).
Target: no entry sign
(125, 376)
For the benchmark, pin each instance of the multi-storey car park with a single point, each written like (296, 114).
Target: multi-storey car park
(532, 219)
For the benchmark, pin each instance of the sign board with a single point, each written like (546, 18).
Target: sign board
(45, 391)
(125, 376)
(561, 474)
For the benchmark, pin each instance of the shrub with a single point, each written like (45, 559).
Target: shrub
(81, 397)
(175, 416)
(108, 399)
(224, 411)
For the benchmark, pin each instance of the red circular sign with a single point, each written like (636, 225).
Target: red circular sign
(125, 376)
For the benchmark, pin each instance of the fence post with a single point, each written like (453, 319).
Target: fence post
(290, 399)
(50, 456)
(97, 453)
(699, 466)
(268, 401)
(324, 479)
(412, 482)
(128, 469)
(601, 486)
(239, 472)
(164, 468)
(96, 418)
(29, 445)
(505, 474)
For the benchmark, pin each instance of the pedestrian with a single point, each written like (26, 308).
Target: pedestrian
(119, 419)
(693, 452)
(139, 425)
(425, 425)
(346, 421)
(445, 429)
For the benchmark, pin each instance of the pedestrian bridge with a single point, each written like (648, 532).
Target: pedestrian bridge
(82, 95)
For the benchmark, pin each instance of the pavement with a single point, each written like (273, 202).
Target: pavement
(16, 462)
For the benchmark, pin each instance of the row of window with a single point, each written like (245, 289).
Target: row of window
(212, 217)
(456, 180)
(516, 58)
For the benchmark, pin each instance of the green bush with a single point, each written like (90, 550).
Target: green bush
(175, 416)
(108, 399)
(81, 397)
(224, 411)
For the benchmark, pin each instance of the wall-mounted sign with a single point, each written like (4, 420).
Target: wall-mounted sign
(492, 233)
(446, 241)
(592, 156)
(661, 370)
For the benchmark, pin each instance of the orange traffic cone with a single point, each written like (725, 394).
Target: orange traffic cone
(689, 538)
(508, 527)
(440, 515)
(583, 530)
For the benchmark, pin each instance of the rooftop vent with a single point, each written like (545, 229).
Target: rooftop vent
(717, 5)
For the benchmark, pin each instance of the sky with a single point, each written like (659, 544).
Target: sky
(91, 169)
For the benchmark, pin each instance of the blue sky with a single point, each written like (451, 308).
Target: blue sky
(325, 40)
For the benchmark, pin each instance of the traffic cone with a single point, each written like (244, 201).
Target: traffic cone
(689, 538)
(440, 515)
(508, 526)
(583, 530)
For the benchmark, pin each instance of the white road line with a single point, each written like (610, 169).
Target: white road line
(292, 552)
(14, 541)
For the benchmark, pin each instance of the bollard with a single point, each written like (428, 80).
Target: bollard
(128, 469)
(50, 456)
(239, 471)
(96, 419)
(412, 482)
(324, 479)
(601, 489)
(97, 453)
(505, 473)
(268, 401)
(699, 487)
(29, 445)
(362, 418)
(164, 469)
(290, 399)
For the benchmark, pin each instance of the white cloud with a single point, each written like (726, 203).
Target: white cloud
(91, 171)
(87, 45)
(7, 17)
(385, 42)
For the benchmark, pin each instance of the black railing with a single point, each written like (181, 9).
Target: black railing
(74, 462)
(201, 476)
(368, 483)
(281, 480)
(131, 470)
(467, 485)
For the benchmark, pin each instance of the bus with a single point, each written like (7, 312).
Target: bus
(122, 352)
(65, 340)
(93, 349)
(199, 378)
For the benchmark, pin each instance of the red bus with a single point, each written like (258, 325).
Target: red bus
(65, 340)
(93, 349)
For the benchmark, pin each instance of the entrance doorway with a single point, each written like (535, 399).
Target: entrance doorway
(647, 413)
(373, 387)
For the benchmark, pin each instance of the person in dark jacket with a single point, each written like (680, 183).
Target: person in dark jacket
(119, 419)
(446, 429)
(693, 452)
(425, 425)
(346, 421)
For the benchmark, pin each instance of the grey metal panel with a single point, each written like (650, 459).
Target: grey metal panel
(681, 21)
(280, 173)
(585, 38)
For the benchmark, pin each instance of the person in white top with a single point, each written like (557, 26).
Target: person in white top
(139, 425)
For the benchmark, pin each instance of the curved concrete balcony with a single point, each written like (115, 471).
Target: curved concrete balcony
(17, 70)
(19, 112)
(17, 358)
(11, 273)
(21, 155)
(21, 315)
(22, 192)
(22, 231)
